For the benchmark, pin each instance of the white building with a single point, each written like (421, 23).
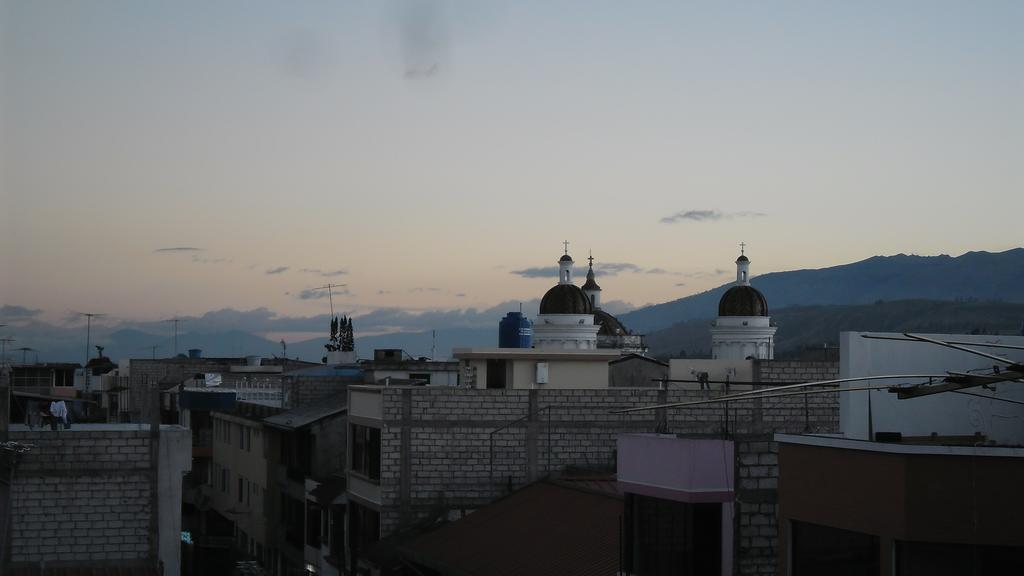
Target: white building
(566, 319)
(743, 328)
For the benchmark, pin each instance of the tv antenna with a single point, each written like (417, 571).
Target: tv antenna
(24, 350)
(175, 320)
(330, 293)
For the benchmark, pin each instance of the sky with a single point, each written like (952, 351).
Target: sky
(162, 159)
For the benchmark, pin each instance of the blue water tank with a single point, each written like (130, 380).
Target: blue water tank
(195, 353)
(515, 331)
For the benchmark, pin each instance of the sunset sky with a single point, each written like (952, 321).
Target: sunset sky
(171, 158)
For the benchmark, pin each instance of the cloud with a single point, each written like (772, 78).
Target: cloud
(680, 283)
(277, 270)
(601, 269)
(460, 295)
(179, 249)
(320, 293)
(383, 291)
(537, 272)
(14, 313)
(423, 35)
(325, 273)
(707, 216)
(425, 289)
(201, 260)
(613, 268)
(704, 273)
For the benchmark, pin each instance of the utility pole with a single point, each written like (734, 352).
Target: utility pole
(152, 350)
(25, 350)
(3, 350)
(88, 334)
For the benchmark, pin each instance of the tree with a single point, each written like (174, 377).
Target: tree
(333, 345)
(348, 337)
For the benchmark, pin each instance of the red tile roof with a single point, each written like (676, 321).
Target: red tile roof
(545, 529)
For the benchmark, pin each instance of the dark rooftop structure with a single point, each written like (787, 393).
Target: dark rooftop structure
(548, 528)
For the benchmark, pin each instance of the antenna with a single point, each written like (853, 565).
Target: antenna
(330, 293)
(24, 350)
(3, 349)
(175, 320)
(284, 351)
(433, 344)
(88, 334)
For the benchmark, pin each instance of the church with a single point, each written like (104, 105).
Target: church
(571, 317)
(743, 329)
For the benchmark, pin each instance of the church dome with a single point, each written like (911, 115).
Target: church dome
(742, 300)
(565, 299)
(610, 325)
(565, 258)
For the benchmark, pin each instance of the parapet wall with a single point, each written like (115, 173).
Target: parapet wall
(447, 449)
(91, 496)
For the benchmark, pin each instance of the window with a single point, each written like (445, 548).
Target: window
(292, 512)
(337, 531)
(312, 524)
(364, 527)
(366, 451)
(497, 373)
(224, 474)
(423, 377)
(669, 537)
(241, 437)
(241, 493)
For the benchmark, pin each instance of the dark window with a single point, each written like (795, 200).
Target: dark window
(366, 451)
(224, 474)
(312, 524)
(423, 377)
(241, 492)
(496, 370)
(293, 512)
(824, 550)
(669, 537)
(363, 530)
(337, 531)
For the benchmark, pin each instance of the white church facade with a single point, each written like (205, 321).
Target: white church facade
(743, 329)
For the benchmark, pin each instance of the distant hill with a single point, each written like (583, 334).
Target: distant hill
(808, 327)
(974, 275)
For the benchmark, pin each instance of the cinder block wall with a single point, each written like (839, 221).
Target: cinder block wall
(81, 496)
(447, 449)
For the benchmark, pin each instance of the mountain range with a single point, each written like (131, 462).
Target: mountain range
(974, 275)
(974, 291)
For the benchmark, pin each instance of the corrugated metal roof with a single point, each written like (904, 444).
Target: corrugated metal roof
(544, 529)
(306, 415)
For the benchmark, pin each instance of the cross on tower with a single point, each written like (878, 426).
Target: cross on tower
(566, 246)
(743, 247)
(591, 259)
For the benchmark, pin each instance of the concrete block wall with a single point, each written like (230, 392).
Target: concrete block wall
(437, 452)
(81, 496)
(303, 390)
(756, 505)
